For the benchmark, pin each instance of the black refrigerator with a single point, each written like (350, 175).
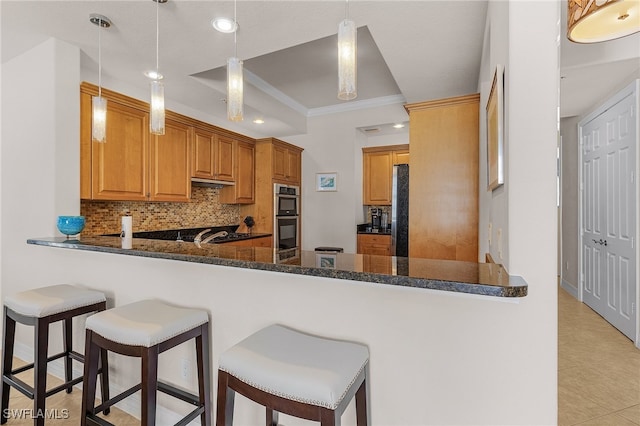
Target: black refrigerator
(400, 211)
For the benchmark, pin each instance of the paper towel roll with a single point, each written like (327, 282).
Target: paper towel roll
(127, 242)
(127, 227)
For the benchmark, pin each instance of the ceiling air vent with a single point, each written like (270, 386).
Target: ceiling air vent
(371, 130)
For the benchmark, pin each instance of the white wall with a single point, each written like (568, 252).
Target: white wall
(436, 357)
(333, 144)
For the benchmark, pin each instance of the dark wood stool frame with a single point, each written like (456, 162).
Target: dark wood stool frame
(149, 383)
(228, 385)
(39, 392)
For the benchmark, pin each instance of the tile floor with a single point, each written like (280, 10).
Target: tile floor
(598, 369)
(598, 375)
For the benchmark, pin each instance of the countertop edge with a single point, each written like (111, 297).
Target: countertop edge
(516, 291)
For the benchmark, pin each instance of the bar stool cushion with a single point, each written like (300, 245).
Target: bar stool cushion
(45, 301)
(296, 366)
(145, 323)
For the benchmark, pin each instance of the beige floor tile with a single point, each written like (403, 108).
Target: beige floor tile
(631, 413)
(609, 420)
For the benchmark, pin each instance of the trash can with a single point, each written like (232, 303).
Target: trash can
(330, 249)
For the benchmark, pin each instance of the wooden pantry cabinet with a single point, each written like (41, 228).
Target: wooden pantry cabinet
(443, 178)
(132, 165)
(377, 171)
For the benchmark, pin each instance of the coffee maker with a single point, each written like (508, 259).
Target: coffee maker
(376, 214)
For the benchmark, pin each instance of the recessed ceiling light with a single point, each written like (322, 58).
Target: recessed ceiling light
(398, 126)
(224, 25)
(154, 75)
(258, 121)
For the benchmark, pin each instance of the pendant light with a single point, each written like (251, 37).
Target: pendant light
(347, 58)
(98, 103)
(235, 78)
(592, 21)
(156, 121)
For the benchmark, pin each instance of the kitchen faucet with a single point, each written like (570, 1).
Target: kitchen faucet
(198, 238)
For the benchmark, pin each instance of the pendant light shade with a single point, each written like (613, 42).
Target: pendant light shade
(347, 57)
(98, 103)
(592, 21)
(235, 85)
(156, 121)
(235, 79)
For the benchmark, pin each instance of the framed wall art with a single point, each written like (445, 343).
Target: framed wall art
(326, 181)
(495, 131)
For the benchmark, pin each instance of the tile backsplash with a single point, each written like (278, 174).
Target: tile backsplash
(204, 209)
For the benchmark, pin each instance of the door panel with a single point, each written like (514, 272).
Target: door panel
(609, 215)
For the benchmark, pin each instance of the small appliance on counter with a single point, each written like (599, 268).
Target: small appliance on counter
(376, 215)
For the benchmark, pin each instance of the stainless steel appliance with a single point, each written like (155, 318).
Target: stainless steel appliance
(286, 224)
(400, 211)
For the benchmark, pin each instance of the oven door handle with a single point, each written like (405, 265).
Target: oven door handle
(287, 216)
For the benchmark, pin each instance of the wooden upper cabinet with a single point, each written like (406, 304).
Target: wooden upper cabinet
(213, 156)
(225, 159)
(243, 192)
(443, 178)
(377, 170)
(170, 163)
(286, 164)
(119, 166)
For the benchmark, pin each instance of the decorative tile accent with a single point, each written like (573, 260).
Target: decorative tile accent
(204, 209)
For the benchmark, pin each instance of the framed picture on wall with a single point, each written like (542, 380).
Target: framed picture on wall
(326, 181)
(495, 131)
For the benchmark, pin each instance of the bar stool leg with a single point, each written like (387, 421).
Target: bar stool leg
(361, 405)
(90, 377)
(9, 333)
(149, 385)
(104, 378)
(204, 385)
(272, 417)
(67, 331)
(226, 397)
(40, 373)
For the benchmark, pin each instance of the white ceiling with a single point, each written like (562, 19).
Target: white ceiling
(408, 51)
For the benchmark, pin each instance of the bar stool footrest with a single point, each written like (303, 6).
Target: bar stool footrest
(178, 393)
(191, 416)
(92, 419)
(112, 401)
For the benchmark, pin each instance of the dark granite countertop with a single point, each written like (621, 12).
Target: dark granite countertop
(446, 275)
(366, 228)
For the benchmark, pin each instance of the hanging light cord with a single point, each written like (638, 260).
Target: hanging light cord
(157, 36)
(235, 33)
(100, 58)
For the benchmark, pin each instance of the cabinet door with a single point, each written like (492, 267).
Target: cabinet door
(294, 166)
(374, 244)
(243, 192)
(280, 162)
(169, 164)
(119, 166)
(203, 154)
(377, 169)
(224, 159)
(400, 157)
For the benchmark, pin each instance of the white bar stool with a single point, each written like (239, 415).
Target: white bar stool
(294, 373)
(41, 307)
(145, 329)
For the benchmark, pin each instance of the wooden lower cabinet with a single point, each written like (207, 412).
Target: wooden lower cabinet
(374, 244)
(377, 264)
(253, 242)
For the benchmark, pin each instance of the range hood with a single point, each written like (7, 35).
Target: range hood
(210, 182)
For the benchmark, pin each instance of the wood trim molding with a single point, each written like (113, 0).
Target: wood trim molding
(403, 147)
(466, 99)
(92, 90)
(279, 142)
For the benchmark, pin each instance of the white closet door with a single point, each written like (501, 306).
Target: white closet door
(609, 215)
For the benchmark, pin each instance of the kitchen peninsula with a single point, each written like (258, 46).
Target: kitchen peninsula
(454, 276)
